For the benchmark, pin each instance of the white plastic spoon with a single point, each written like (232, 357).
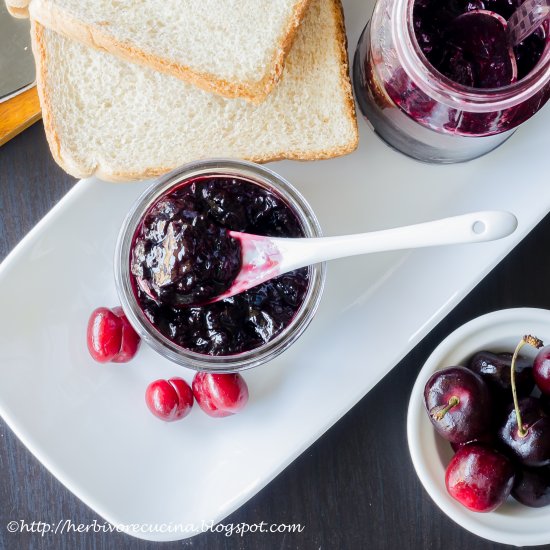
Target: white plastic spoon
(527, 18)
(266, 257)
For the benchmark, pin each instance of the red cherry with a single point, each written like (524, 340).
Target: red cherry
(104, 334)
(541, 370)
(458, 403)
(170, 399)
(130, 339)
(220, 395)
(479, 477)
(110, 336)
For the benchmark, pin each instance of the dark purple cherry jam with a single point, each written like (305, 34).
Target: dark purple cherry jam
(473, 50)
(182, 255)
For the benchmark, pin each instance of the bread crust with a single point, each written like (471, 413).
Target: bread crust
(18, 13)
(40, 56)
(345, 80)
(55, 18)
(17, 4)
(73, 167)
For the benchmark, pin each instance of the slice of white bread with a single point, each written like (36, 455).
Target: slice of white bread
(236, 48)
(121, 121)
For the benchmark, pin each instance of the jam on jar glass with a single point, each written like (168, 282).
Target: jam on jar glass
(174, 254)
(442, 86)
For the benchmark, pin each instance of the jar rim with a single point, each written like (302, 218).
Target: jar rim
(259, 175)
(455, 95)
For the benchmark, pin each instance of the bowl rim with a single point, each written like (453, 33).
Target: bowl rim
(416, 418)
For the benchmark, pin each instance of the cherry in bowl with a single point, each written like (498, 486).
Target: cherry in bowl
(494, 369)
(512, 523)
(530, 443)
(479, 477)
(532, 487)
(458, 404)
(541, 370)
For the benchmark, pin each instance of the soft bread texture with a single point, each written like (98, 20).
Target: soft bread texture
(236, 48)
(121, 121)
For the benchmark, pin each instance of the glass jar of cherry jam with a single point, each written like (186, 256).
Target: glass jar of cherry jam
(185, 209)
(429, 97)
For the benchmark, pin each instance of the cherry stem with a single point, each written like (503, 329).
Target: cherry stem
(536, 343)
(453, 402)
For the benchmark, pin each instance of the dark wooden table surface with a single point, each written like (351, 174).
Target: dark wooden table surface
(354, 488)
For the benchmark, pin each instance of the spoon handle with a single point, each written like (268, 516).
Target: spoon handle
(526, 19)
(467, 228)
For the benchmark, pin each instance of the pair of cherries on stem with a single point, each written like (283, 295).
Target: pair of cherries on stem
(463, 405)
(526, 430)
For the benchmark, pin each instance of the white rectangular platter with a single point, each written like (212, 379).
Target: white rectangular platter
(88, 423)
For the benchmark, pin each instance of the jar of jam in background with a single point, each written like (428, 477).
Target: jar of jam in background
(206, 183)
(423, 113)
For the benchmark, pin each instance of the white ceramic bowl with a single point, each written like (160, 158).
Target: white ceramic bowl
(499, 331)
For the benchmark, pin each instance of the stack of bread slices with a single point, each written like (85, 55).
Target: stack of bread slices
(131, 90)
